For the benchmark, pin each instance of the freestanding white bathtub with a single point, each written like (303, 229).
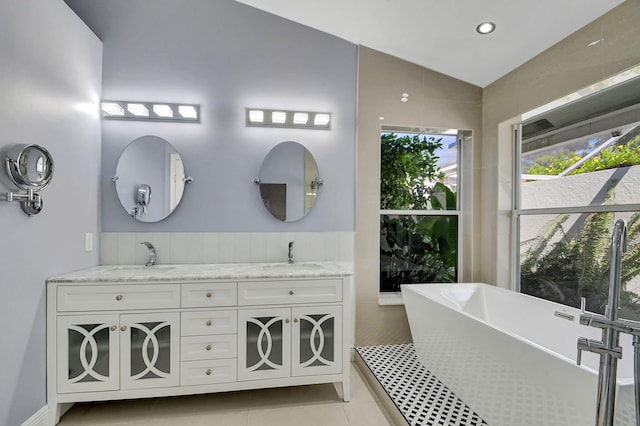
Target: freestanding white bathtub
(510, 357)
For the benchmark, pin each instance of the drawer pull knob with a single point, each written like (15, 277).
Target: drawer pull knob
(295, 320)
(209, 294)
(208, 323)
(123, 328)
(209, 371)
(208, 347)
(286, 320)
(290, 292)
(114, 327)
(119, 297)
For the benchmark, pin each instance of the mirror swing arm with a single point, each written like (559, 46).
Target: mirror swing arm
(144, 195)
(29, 168)
(315, 183)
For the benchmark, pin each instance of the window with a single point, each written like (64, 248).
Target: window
(419, 207)
(570, 192)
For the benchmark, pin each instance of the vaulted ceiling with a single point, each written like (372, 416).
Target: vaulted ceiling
(441, 34)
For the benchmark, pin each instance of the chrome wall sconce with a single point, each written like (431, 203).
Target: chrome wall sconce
(150, 111)
(29, 168)
(257, 117)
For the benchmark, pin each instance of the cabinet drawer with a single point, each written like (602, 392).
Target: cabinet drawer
(207, 372)
(286, 292)
(209, 322)
(203, 295)
(118, 297)
(208, 347)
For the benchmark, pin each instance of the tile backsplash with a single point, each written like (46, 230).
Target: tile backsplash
(124, 248)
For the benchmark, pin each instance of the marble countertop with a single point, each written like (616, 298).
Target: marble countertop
(204, 272)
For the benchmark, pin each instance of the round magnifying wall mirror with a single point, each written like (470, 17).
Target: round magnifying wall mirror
(289, 181)
(30, 167)
(150, 178)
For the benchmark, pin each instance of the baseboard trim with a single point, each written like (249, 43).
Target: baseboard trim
(39, 418)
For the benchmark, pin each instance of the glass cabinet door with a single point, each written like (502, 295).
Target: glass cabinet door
(150, 350)
(316, 340)
(88, 353)
(264, 344)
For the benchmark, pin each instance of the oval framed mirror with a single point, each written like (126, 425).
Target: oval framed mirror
(289, 181)
(150, 178)
(30, 167)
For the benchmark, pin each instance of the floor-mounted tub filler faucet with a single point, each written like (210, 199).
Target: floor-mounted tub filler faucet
(151, 260)
(290, 252)
(611, 326)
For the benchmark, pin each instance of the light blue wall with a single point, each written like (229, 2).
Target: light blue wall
(226, 56)
(50, 73)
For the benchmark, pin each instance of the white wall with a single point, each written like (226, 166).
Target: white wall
(226, 56)
(50, 75)
(570, 65)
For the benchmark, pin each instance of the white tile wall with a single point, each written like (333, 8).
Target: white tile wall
(124, 248)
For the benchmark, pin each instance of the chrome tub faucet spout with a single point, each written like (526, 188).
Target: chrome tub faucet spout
(152, 253)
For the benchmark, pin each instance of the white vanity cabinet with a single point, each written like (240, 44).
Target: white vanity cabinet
(111, 352)
(290, 341)
(283, 342)
(118, 336)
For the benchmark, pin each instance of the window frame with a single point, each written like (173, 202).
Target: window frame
(395, 298)
(518, 212)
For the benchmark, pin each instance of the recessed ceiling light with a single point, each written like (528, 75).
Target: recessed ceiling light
(594, 42)
(486, 28)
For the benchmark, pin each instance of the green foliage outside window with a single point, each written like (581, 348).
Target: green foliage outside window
(563, 268)
(609, 158)
(413, 248)
(578, 266)
(407, 164)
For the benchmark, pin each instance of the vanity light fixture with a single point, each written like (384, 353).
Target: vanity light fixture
(188, 111)
(138, 110)
(256, 116)
(321, 120)
(291, 119)
(485, 28)
(112, 109)
(150, 111)
(163, 111)
(300, 118)
(278, 117)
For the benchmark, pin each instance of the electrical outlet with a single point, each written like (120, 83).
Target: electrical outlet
(88, 241)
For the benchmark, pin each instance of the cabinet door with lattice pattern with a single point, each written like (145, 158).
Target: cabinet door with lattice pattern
(316, 340)
(88, 353)
(264, 343)
(150, 350)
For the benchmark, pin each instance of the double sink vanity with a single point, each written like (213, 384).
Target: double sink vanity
(126, 331)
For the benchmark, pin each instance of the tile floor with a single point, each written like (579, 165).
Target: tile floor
(316, 405)
(418, 394)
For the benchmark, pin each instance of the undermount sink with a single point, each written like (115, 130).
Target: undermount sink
(294, 266)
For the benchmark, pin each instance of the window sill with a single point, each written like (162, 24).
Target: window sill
(390, 299)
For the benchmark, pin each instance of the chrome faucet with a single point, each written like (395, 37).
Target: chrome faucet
(611, 326)
(290, 251)
(152, 253)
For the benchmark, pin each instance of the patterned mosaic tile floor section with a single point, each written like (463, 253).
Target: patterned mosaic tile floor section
(421, 398)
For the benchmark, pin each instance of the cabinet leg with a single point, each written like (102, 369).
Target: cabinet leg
(55, 411)
(343, 388)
